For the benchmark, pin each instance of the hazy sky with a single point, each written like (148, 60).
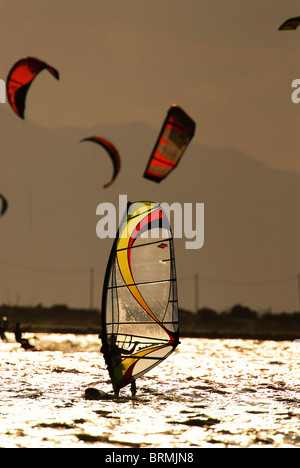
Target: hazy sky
(121, 61)
(224, 62)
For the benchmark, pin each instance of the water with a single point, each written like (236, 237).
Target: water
(208, 393)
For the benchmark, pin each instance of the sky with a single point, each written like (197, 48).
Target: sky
(125, 62)
(225, 63)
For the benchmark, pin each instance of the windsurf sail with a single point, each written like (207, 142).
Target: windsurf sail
(176, 133)
(139, 301)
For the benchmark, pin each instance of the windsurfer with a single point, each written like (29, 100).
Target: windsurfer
(3, 328)
(115, 350)
(116, 356)
(19, 339)
(133, 388)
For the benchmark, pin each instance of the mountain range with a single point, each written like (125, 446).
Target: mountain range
(49, 250)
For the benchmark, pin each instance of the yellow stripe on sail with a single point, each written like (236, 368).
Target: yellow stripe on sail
(121, 368)
(122, 253)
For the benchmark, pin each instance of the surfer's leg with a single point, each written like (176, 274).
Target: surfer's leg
(133, 388)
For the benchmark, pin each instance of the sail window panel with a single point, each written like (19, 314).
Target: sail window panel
(146, 332)
(130, 313)
(156, 357)
(144, 341)
(129, 310)
(143, 366)
(151, 262)
(156, 295)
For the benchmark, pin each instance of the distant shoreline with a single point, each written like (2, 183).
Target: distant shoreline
(237, 323)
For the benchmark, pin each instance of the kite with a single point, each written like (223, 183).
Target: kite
(20, 78)
(113, 153)
(139, 303)
(3, 205)
(290, 24)
(177, 131)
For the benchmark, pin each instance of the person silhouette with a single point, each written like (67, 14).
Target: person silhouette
(3, 328)
(19, 339)
(116, 354)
